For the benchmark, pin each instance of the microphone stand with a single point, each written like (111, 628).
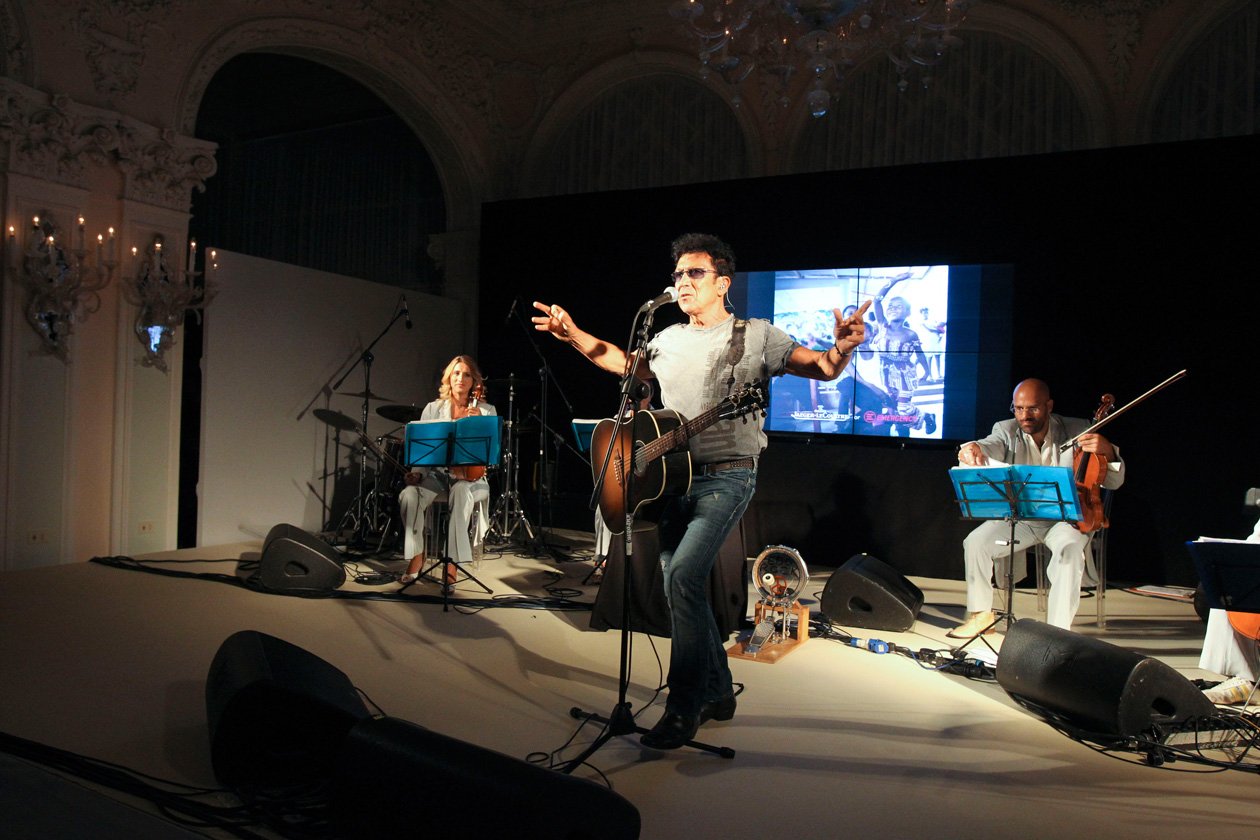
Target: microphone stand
(621, 721)
(546, 488)
(366, 358)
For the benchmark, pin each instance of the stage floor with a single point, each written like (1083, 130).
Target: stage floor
(831, 741)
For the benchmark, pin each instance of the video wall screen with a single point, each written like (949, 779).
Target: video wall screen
(938, 344)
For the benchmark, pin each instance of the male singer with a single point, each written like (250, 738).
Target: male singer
(696, 365)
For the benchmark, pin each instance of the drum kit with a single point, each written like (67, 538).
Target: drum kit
(373, 521)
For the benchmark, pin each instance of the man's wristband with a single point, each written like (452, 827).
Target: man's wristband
(836, 347)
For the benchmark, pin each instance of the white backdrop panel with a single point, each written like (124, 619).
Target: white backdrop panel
(277, 338)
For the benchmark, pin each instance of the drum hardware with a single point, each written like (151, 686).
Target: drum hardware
(365, 394)
(508, 516)
(364, 513)
(400, 413)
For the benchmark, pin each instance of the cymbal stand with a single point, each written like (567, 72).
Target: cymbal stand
(508, 516)
(360, 536)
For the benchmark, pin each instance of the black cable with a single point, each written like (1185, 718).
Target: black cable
(174, 799)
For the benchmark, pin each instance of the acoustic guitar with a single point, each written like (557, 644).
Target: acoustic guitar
(654, 447)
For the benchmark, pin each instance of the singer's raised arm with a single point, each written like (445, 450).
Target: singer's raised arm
(609, 357)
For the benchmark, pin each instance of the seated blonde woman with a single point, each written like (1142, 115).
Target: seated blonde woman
(457, 398)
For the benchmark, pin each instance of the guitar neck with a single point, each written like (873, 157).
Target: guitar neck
(676, 438)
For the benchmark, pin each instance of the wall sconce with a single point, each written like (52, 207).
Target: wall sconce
(164, 298)
(60, 287)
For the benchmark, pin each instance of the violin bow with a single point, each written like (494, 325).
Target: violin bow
(1113, 415)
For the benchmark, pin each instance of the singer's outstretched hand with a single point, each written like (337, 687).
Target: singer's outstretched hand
(555, 320)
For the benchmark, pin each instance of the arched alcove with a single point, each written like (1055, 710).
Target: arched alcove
(1010, 89)
(640, 122)
(1207, 84)
(315, 170)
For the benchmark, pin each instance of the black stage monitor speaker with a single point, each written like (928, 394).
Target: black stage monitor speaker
(387, 763)
(296, 559)
(277, 714)
(866, 592)
(1101, 687)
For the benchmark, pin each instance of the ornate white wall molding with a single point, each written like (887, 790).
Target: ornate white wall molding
(51, 136)
(55, 138)
(115, 61)
(1123, 22)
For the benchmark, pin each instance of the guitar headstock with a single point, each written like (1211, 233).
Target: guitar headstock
(747, 399)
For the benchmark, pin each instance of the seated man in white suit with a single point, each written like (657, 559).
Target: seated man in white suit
(1033, 437)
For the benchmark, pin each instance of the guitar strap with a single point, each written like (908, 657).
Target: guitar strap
(738, 333)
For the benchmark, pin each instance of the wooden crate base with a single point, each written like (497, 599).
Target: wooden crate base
(772, 652)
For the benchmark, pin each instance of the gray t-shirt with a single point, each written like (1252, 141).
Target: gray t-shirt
(693, 368)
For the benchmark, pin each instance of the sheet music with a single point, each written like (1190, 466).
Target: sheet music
(993, 462)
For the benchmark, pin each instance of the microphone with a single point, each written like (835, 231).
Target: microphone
(511, 311)
(668, 296)
(406, 313)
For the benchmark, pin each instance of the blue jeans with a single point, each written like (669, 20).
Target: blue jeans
(692, 530)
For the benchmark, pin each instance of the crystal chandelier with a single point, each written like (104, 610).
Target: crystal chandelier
(821, 38)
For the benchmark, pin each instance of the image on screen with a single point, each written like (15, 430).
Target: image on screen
(932, 342)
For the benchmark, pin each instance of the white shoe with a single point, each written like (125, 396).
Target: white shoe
(1233, 692)
(978, 624)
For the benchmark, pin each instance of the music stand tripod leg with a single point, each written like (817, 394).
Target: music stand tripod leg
(1007, 614)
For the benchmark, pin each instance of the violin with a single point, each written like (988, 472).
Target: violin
(472, 472)
(1089, 470)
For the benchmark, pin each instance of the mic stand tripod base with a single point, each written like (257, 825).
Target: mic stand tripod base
(620, 723)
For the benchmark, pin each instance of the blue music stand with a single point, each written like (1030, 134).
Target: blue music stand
(582, 430)
(469, 441)
(1015, 494)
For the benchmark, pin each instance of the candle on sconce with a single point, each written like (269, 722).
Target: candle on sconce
(81, 237)
(157, 257)
(134, 269)
(192, 254)
(52, 251)
(100, 249)
(111, 245)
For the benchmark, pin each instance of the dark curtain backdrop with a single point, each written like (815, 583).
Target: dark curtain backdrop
(1130, 264)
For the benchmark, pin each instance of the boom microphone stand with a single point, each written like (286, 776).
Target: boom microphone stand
(621, 721)
(366, 358)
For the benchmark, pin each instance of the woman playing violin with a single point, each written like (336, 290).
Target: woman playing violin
(459, 396)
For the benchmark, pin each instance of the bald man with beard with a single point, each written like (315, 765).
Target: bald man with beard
(1032, 437)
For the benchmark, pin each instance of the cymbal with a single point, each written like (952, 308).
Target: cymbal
(400, 413)
(368, 394)
(335, 419)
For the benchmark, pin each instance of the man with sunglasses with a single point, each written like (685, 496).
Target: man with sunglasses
(696, 366)
(1032, 437)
